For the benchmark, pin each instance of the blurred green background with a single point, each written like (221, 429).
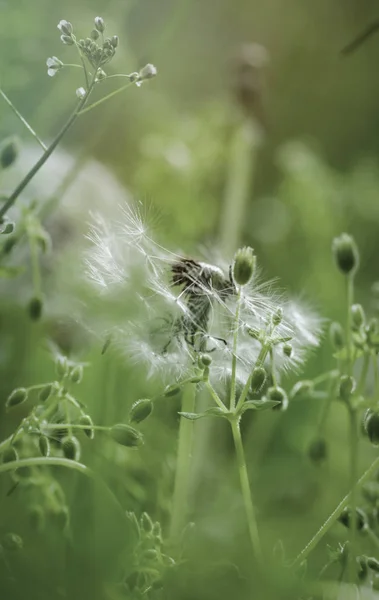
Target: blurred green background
(281, 156)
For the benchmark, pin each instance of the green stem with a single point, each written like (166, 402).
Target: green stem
(353, 486)
(53, 426)
(183, 466)
(234, 358)
(334, 516)
(246, 491)
(36, 273)
(94, 104)
(259, 363)
(350, 300)
(215, 395)
(363, 375)
(23, 121)
(41, 161)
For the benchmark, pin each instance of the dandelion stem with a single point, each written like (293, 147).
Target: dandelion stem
(246, 491)
(23, 121)
(353, 486)
(49, 150)
(234, 358)
(183, 466)
(350, 300)
(334, 516)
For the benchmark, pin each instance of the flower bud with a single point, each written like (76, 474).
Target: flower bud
(9, 455)
(317, 450)
(288, 350)
(372, 564)
(172, 391)
(362, 569)
(337, 336)
(94, 34)
(61, 366)
(126, 435)
(205, 360)
(277, 394)
(114, 41)
(17, 397)
(76, 374)
(71, 448)
(371, 425)
(81, 93)
(140, 410)
(147, 72)
(345, 253)
(11, 542)
(86, 420)
(346, 387)
(302, 388)
(100, 75)
(67, 40)
(99, 24)
(65, 27)
(357, 316)
(244, 264)
(8, 152)
(6, 227)
(44, 445)
(277, 317)
(45, 393)
(345, 518)
(35, 307)
(258, 379)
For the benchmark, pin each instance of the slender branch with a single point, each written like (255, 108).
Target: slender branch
(354, 443)
(260, 361)
(29, 176)
(334, 516)
(94, 104)
(215, 395)
(23, 120)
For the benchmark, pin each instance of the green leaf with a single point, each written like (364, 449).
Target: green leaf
(258, 405)
(8, 272)
(215, 411)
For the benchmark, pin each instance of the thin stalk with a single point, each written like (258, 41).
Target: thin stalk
(363, 375)
(234, 357)
(183, 466)
(353, 486)
(94, 104)
(41, 161)
(215, 395)
(334, 516)
(244, 146)
(52, 426)
(246, 491)
(23, 121)
(260, 361)
(36, 272)
(350, 300)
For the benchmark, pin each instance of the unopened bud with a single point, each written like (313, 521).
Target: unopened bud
(317, 450)
(35, 307)
(345, 253)
(357, 316)
(86, 420)
(288, 350)
(205, 360)
(140, 410)
(17, 397)
(67, 40)
(61, 366)
(371, 425)
(8, 152)
(172, 391)
(277, 394)
(277, 317)
(147, 72)
(65, 27)
(302, 388)
(126, 435)
(71, 448)
(94, 34)
(76, 374)
(244, 265)
(99, 24)
(337, 336)
(258, 379)
(372, 564)
(346, 387)
(114, 41)
(44, 445)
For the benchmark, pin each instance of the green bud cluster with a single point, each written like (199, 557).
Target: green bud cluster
(96, 54)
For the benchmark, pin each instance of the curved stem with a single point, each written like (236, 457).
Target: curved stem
(246, 491)
(183, 466)
(334, 516)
